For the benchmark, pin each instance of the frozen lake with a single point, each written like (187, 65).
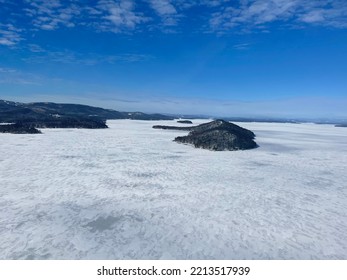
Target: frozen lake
(130, 192)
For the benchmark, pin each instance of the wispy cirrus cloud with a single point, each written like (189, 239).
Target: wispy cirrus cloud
(9, 35)
(126, 16)
(7, 70)
(330, 13)
(41, 55)
(242, 46)
(257, 13)
(50, 15)
(118, 16)
(166, 10)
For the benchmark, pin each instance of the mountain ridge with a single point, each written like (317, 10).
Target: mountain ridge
(65, 115)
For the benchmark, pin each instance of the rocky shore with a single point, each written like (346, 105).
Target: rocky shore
(18, 129)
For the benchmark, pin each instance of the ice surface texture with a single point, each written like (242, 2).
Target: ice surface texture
(130, 192)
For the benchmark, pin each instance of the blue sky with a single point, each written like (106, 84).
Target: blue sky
(280, 58)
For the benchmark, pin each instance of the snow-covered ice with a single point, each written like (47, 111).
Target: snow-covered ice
(130, 192)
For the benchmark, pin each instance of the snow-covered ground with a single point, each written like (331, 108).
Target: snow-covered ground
(130, 192)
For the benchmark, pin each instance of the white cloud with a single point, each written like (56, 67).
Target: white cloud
(35, 48)
(213, 3)
(163, 7)
(49, 15)
(166, 10)
(313, 16)
(7, 70)
(330, 13)
(41, 55)
(168, 15)
(242, 46)
(9, 35)
(255, 13)
(119, 15)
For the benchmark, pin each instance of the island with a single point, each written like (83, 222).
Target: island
(185, 121)
(218, 135)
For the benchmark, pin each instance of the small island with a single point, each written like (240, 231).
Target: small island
(169, 127)
(185, 121)
(218, 135)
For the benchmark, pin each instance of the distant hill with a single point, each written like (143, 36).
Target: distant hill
(55, 115)
(266, 120)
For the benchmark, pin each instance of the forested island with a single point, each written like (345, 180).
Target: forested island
(218, 135)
